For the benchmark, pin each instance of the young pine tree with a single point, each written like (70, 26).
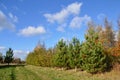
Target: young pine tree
(60, 57)
(92, 57)
(73, 53)
(1, 58)
(9, 56)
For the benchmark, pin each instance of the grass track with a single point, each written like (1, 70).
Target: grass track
(43, 73)
(23, 74)
(6, 73)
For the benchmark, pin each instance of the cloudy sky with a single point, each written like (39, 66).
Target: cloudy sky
(25, 22)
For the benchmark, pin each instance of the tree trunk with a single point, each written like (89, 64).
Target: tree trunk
(75, 68)
(62, 68)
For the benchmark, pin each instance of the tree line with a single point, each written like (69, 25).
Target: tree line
(98, 53)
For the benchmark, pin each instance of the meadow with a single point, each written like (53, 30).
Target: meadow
(29, 72)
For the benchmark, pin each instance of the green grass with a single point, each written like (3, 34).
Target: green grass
(7, 73)
(44, 73)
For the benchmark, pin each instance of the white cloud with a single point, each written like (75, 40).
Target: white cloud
(5, 23)
(2, 48)
(77, 22)
(31, 30)
(72, 9)
(116, 35)
(13, 17)
(61, 28)
(20, 54)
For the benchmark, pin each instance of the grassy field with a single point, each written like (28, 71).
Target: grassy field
(43, 73)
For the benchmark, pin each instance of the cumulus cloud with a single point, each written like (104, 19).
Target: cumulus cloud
(20, 54)
(116, 35)
(61, 28)
(2, 48)
(4, 22)
(77, 22)
(13, 17)
(72, 9)
(31, 30)
(68, 15)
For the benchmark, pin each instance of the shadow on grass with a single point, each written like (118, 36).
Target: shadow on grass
(13, 77)
(12, 69)
(11, 65)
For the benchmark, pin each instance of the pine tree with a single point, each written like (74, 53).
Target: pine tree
(9, 56)
(92, 57)
(118, 36)
(109, 36)
(73, 53)
(106, 37)
(116, 49)
(60, 57)
(1, 58)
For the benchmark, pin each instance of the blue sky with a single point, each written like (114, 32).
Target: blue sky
(25, 22)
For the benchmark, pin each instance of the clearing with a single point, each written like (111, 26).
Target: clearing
(29, 72)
